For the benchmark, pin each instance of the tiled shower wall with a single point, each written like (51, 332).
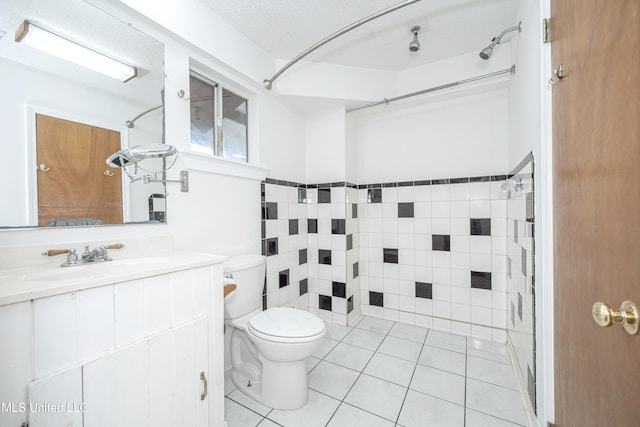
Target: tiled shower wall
(431, 252)
(521, 273)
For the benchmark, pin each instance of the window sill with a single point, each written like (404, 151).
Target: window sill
(209, 164)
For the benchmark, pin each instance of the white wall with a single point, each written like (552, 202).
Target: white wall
(444, 137)
(325, 146)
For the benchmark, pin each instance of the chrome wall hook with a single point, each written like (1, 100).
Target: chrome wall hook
(42, 167)
(559, 73)
(107, 172)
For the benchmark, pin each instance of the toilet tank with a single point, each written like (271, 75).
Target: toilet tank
(248, 274)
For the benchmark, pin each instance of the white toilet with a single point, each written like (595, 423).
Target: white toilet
(268, 348)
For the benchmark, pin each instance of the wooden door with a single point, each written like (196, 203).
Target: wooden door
(596, 178)
(75, 181)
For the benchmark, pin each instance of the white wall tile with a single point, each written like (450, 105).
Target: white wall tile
(480, 191)
(439, 192)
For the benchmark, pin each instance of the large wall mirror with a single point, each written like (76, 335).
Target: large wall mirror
(60, 121)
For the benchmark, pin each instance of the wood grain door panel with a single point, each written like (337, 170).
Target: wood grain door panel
(75, 186)
(596, 154)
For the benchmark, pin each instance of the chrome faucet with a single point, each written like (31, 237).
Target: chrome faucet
(98, 254)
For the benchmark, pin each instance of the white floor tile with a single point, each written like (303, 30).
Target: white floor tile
(422, 410)
(316, 413)
(408, 332)
(332, 380)
(349, 416)
(447, 341)
(487, 350)
(495, 400)
(374, 324)
(440, 384)
(491, 372)
(446, 360)
(238, 416)
(326, 345)
(477, 419)
(363, 338)
(311, 362)
(350, 356)
(336, 332)
(377, 396)
(403, 349)
(389, 368)
(239, 397)
(267, 423)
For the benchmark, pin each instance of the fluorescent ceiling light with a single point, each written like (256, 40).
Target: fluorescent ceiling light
(51, 43)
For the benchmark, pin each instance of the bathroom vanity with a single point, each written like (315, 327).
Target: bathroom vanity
(137, 341)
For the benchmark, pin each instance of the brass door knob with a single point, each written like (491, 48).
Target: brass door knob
(627, 315)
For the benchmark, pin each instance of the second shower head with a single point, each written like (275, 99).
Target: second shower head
(488, 51)
(414, 46)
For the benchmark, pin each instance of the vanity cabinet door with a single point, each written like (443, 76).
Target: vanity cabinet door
(57, 401)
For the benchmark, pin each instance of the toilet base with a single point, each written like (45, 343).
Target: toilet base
(283, 385)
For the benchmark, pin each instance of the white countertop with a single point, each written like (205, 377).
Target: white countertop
(27, 283)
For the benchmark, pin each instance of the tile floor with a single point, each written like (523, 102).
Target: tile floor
(384, 373)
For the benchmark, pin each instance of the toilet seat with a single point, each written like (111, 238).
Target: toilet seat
(285, 324)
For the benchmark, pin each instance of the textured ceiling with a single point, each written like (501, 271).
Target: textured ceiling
(285, 28)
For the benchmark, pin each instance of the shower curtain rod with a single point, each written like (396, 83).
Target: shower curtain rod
(269, 82)
(511, 70)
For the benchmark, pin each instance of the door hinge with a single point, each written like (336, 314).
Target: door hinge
(550, 424)
(546, 30)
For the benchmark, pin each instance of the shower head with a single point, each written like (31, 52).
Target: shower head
(488, 51)
(414, 46)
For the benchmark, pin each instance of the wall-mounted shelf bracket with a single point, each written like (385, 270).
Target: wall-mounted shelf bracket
(184, 180)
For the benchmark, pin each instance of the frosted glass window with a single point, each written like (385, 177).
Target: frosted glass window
(219, 120)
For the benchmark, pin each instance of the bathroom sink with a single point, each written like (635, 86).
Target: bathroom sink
(92, 270)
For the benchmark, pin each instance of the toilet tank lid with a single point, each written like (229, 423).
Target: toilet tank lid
(242, 262)
(287, 322)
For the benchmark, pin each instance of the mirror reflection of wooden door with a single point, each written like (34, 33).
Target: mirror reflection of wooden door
(74, 180)
(596, 153)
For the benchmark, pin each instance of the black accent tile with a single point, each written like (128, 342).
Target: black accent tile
(270, 247)
(509, 267)
(498, 177)
(389, 184)
(376, 298)
(405, 210)
(339, 289)
(338, 184)
(480, 280)
(349, 242)
(324, 195)
(530, 207)
(324, 302)
(425, 182)
(354, 210)
(304, 286)
(312, 225)
(441, 242)
(374, 185)
(324, 185)
(480, 226)
(293, 226)
(458, 180)
(324, 256)
(439, 181)
(424, 290)
(531, 387)
(513, 315)
(349, 304)
(480, 179)
(405, 184)
(302, 256)
(356, 268)
(515, 231)
(283, 278)
(263, 229)
(270, 210)
(390, 255)
(271, 181)
(264, 302)
(337, 226)
(302, 195)
(262, 191)
(520, 306)
(524, 261)
(374, 195)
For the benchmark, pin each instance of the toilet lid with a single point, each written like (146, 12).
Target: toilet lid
(287, 322)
